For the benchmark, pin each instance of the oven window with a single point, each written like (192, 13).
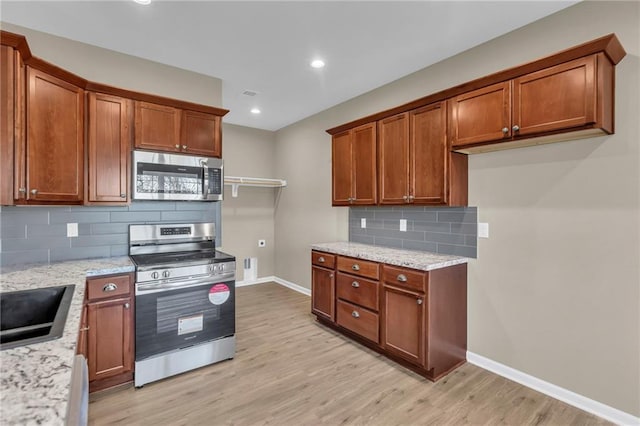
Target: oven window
(171, 309)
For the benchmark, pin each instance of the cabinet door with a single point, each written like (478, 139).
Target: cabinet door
(364, 164)
(82, 334)
(403, 324)
(341, 169)
(481, 115)
(109, 144)
(7, 121)
(428, 155)
(323, 293)
(393, 154)
(157, 127)
(110, 339)
(556, 98)
(55, 139)
(201, 134)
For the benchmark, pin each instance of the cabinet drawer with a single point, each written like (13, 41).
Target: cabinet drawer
(363, 268)
(325, 260)
(358, 320)
(403, 277)
(108, 287)
(358, 290)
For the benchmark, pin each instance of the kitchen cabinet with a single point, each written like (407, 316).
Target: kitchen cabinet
(417, 318)
(357, 297)
(415, 163)
(108, 145)
(110, 334)
(81, 348)
(166, 128)
(323, 285)
(354, 166)
(54, 152)
(575, 95)
(11, 117)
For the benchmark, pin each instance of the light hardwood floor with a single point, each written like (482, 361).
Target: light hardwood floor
(289, 370)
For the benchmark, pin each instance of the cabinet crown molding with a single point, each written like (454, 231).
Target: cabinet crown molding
(608, 44)
(19, 42)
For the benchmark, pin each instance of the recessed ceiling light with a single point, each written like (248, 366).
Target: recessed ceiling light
(255, 111)
(145, 2)
(317, 63)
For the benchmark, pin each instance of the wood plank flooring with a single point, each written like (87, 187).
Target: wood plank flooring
(289, 370)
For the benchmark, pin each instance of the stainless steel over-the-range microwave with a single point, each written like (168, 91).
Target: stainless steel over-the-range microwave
(163, 176)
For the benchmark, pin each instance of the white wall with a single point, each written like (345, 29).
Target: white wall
(555, 290)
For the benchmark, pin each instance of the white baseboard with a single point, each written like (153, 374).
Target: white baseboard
(582, 402)
(282, 282)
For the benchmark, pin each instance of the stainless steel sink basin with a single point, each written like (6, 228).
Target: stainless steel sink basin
(33, 316)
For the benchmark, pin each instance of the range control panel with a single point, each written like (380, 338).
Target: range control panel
(183, 230)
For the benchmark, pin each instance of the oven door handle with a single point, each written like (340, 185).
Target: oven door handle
(148, 288)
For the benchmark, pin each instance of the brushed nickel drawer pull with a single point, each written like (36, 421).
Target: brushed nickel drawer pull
(110, 287)
(355, 284)
(419, 301)
(355, 314)
(321, 259)
(84, 329)
(355, 267)
(126, 306)
(402, 278)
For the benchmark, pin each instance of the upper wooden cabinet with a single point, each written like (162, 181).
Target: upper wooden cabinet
(108, 145)
(11, 107)
(54, 151)
(354, 166)
(556, 99)
(567, 95)
(165, 128)
(415, 164)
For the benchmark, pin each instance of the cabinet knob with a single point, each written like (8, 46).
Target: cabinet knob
(34, 191)
(355, 267)
(355, 284)
(110, 287)
(22, 190)
(402, 278)
(321, 259)
(177, 146)
(405, 198)
(355, 314)
(505, 130)
(123, 195)
(515, 128)
(419, 301)
(411, 197)
(126, 306)
(84, 329)
(331, 275)
(184, 147)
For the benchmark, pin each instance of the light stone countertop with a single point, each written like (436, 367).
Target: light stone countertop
(35, 379)
(422, 260)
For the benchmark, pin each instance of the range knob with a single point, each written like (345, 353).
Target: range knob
(212, 268)
(166, 274)
(155, 275)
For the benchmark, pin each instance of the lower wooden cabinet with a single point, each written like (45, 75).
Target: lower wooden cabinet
(107, 331)
(417, 318)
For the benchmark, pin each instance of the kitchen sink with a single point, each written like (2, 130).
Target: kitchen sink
(33, 316)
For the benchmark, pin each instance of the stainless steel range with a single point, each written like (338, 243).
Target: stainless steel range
(185, 299)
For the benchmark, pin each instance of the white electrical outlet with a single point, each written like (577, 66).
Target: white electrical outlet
(363, 222)
(262, 243)
(72, 229)
(403, 225)
(483, 230)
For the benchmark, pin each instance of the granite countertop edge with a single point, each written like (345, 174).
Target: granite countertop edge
(35, 379)
(421, 260)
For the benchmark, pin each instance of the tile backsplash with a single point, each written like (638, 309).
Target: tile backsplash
(36, 234)
(445, 230)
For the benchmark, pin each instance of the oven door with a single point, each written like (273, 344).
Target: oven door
(177, 315)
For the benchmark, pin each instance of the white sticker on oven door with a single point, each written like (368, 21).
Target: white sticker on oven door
(219, 294)
(190, 324)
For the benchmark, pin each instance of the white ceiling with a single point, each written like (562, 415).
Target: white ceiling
(267, 46)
